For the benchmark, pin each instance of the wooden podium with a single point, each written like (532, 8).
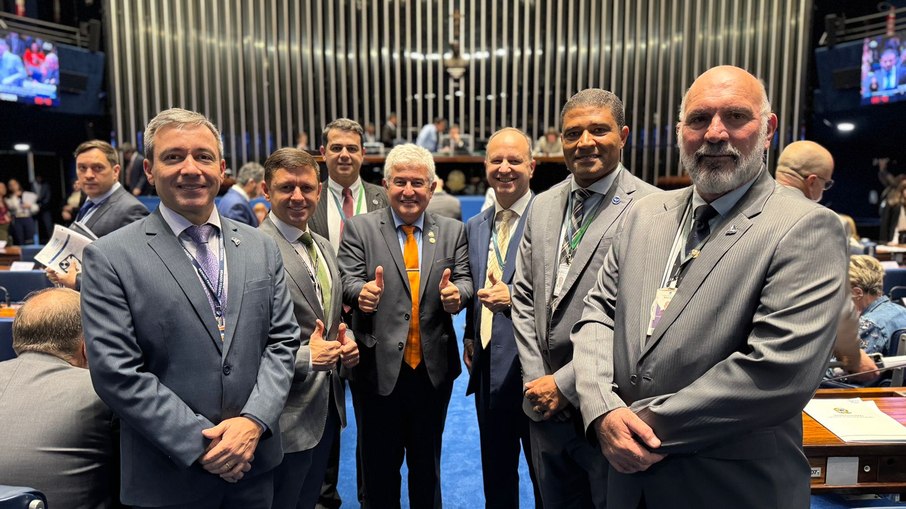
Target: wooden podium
(880, 467)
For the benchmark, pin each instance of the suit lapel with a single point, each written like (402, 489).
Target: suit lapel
(102, 209)
(427, 255)
(393, 246)
(512, 249)
(481, 246)
(162, 241)
(551, 237)
(372, 196)
(724, 235)
(319, 218)
(236, 261)
(296, 270)
(336, 295)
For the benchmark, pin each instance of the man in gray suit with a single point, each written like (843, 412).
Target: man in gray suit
(346, 194)
(708, 329)
(409, 352)
(58, 436)
(108, 207)
(567, 232)
(190, 334)
(316, 406)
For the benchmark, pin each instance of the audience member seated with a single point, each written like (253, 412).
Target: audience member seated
(893, 214)
(549, 145)
(443, 204)
(880, 317)
(852, 235)
(58, 437)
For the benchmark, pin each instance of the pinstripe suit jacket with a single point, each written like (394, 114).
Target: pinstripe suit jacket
(735, 357)
(542, 334)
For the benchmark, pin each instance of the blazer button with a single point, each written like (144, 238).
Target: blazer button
(633, 379)
(406, 316)
(400, 346)
(227, 369)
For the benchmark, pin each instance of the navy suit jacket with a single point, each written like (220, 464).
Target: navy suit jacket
(504, 361)
(234, 206)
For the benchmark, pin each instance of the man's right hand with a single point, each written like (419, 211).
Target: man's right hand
(468, 350)
(371, 293)
(619, 432)
(324, 354)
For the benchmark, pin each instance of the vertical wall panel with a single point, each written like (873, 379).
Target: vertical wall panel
(264, 70)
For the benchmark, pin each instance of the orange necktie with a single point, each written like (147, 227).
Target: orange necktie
(413, 354)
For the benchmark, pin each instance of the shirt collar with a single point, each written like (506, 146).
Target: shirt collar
(338, 189)
(725, 203)
(518, 207)
(241, 191)
(602, 185)
(289, 232)
(178, 224)
(397, 222)
(101, 198)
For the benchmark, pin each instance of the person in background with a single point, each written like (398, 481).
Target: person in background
(58, 436)
(6, 218)
(370, 133)
(260, 211)
(443, 204)
(302, 141)
(549, 145)
(429, 136)
(852, 234)
(879, 317)
(23, 205)
(893, 214)
(71, 207)
(44, 217)
(235, 203)
(389, 131)
(806, 166)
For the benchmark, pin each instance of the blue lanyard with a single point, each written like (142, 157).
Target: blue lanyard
(496, 245)
(216, 294)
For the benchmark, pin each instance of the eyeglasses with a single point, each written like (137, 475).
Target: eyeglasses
(828, 183)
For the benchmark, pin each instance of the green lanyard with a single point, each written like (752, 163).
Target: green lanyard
(360, 204)
(573, 242)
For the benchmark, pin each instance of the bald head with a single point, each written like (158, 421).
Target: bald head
(50, 322)
(807, 166)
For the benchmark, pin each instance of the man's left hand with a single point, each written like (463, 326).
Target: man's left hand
(545, 396)
(232, 447)
(449, 294)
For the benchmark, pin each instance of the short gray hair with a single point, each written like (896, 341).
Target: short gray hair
(179, 118)
(50, 322)
(409, 153)
(343, 124)
(250, 171)
(596, 98)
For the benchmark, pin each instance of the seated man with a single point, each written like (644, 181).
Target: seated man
(58, 436)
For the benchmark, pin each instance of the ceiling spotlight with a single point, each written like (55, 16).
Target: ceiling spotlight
(845, 127)
(22, 147)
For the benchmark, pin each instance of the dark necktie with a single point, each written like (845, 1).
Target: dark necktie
(87, 206)
(207, 260)
(700, 228)
(575, 224)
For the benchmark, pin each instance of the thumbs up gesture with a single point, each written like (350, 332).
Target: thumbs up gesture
(371, 293)
(495, 297)
(349, 349)
(324, 354)
(449, 294)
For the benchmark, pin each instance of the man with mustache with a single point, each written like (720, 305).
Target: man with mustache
(567, 233)
(708, 330)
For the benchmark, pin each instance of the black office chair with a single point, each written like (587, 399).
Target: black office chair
(897, 294)
(19, 497)
(897, 346)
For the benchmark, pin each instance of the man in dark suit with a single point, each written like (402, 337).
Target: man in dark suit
(389, 131)
(709, 329)
(58, 436)
(108, 206)
(235, 203)
(567, 233)
(409, 355)
(489, 348)
(190, 334)
(345, 195)
(316, 407)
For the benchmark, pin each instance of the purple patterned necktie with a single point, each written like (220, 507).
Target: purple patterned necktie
(206, 258)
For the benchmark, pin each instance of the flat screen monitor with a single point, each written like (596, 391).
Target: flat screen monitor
(29, 70)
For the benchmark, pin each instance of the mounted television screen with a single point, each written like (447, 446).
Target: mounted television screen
(884, 69)
(29, 70)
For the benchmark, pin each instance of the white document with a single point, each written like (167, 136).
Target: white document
(856, 420)
(21, 266)
(63, 253)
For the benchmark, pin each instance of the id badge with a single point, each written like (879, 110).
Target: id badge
(562, 271)
(661, 300)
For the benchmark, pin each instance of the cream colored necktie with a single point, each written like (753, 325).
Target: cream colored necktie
(503, 242)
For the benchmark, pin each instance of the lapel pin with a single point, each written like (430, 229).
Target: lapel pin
(732, 230)
(694, 253)
(615, 200)
(374, 201)
(236, 240)
(432, 240)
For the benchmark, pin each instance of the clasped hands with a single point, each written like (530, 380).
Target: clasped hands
(370, 295)
(625, 440)
(232, 448)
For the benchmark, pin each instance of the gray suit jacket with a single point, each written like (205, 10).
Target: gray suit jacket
(119, 210)
(157, 359)
(305, 415)
(375, 198)
(370, 240)
(735, 357)
(58, 436)
(542, 333)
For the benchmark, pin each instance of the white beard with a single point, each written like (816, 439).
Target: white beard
(712, 179)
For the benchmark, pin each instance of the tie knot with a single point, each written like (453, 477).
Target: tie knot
(506, 215)
(704, 213)
(408, 230)
(200, 233)
(581, 194)
(306, 239)
(347, 192)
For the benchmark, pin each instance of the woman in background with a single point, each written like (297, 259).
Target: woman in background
(23, 205)
(879, 317)
(5, 217)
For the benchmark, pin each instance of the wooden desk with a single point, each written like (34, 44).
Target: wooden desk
(882, 467)
(8, 255)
